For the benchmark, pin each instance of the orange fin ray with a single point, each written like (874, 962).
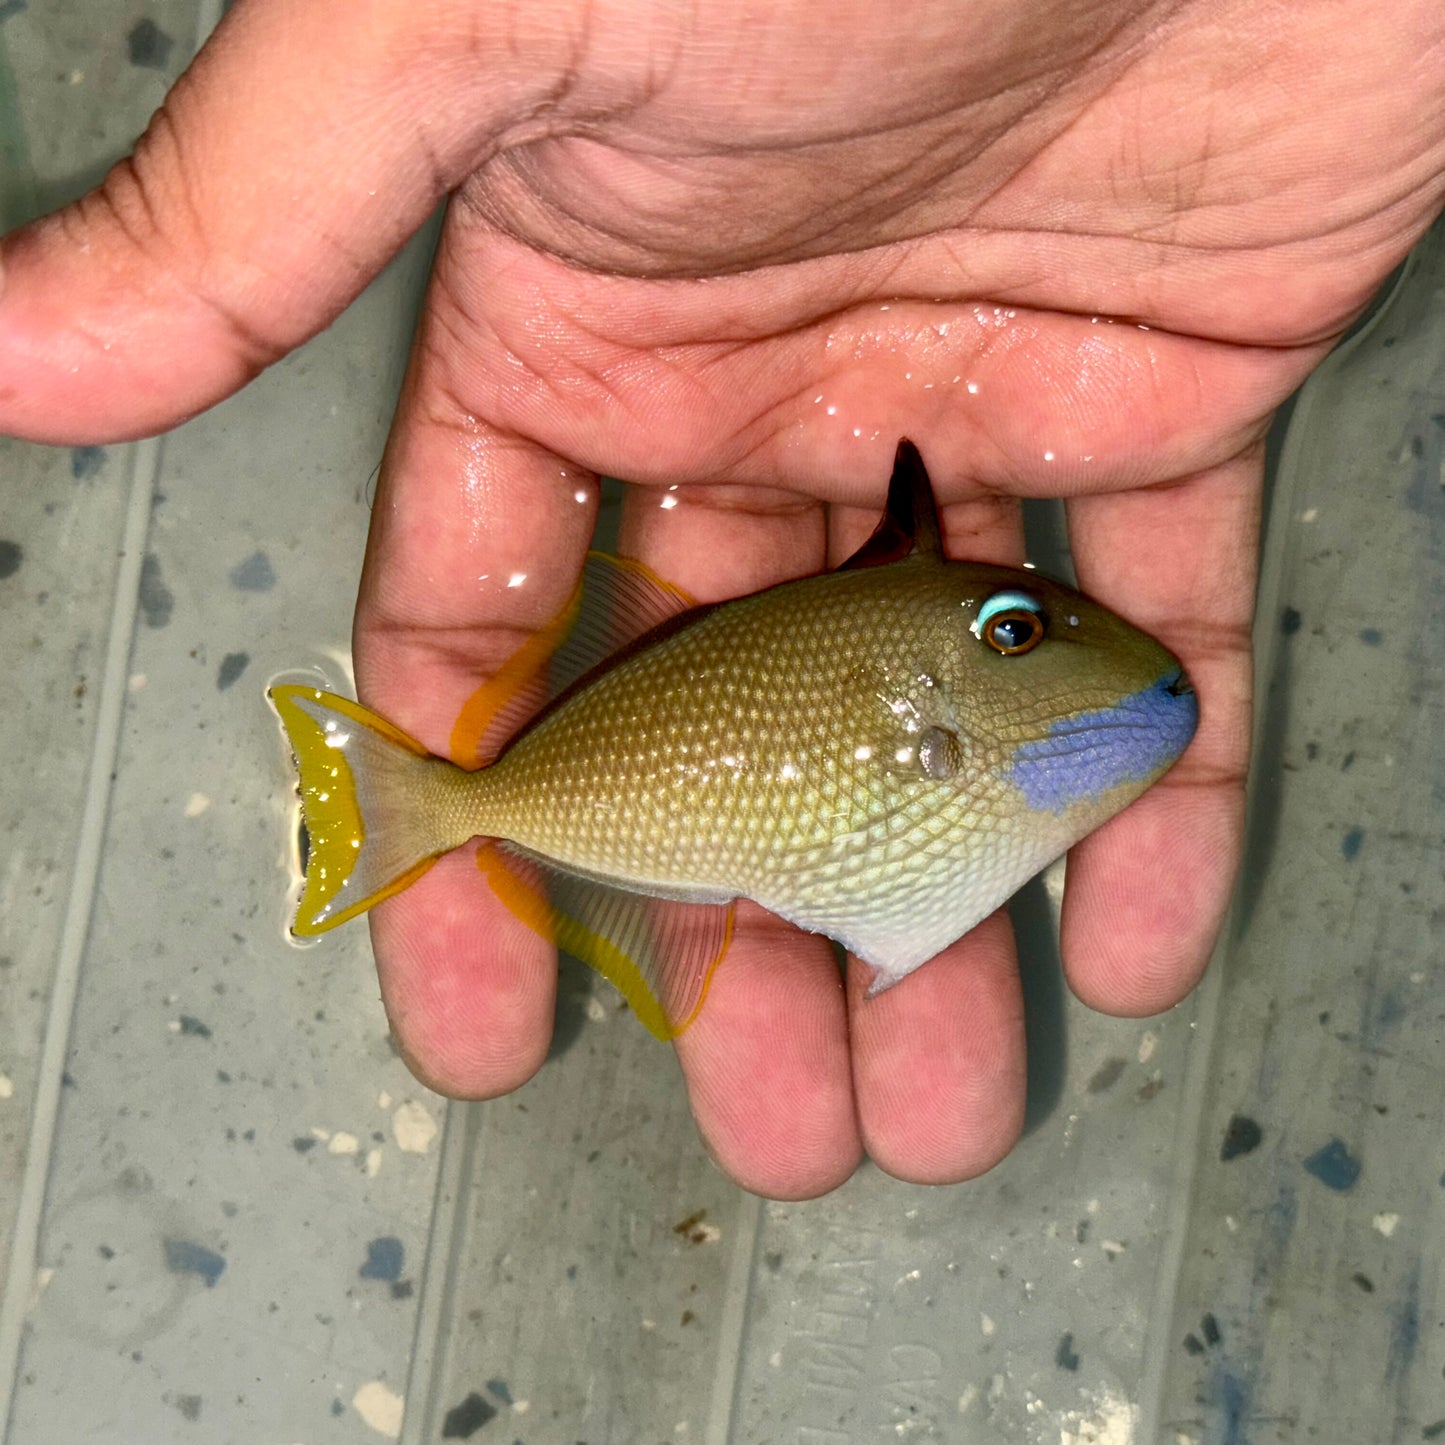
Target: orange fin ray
(660, 954)
(615, 602)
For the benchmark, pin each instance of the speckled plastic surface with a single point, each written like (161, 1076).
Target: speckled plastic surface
(228, 1214)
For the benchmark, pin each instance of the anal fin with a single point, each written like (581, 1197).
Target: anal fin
(659, 953)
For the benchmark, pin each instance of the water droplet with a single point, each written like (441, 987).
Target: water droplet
(516, 579)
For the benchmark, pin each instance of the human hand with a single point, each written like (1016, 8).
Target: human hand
(1077, 252)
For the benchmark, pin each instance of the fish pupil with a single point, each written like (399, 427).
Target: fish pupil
(1013, 632)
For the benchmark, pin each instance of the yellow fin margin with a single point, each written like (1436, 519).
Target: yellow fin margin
(637, 981)
(332, 809)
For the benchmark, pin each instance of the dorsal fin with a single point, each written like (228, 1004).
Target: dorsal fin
(909, 523)
(616, 602)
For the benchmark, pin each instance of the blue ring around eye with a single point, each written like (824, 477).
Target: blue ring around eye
(1004, 602)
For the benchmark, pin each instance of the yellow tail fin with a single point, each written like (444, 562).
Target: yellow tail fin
(362, 785)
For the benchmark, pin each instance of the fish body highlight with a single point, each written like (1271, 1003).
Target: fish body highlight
(882, 754)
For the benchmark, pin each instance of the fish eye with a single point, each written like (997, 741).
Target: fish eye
(1011, 623)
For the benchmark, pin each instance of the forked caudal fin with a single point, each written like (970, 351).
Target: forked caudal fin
(361, 784)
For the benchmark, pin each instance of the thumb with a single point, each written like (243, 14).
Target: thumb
(308, 140)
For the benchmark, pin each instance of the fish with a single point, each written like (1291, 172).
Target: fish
(882, 753)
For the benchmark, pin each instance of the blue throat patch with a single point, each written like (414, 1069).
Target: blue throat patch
(1088, 754)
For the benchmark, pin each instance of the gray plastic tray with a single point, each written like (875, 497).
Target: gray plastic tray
(224, 1216)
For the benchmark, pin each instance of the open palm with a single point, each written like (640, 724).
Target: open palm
(733, 256)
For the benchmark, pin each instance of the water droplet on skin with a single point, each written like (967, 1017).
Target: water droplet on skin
(1048, 456)
(832, 411)
(668, 503)
(580, 495)
(516, 579)
(862, 754)
(973, 388)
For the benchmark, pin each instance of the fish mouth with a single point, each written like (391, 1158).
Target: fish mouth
(1176, 683)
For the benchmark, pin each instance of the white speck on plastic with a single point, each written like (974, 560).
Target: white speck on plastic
(43, 1276)
(343, 1143)
(413, 1127)
(197, 804)
(1310, 514)
(137, 681)
(596, 1011)
(1148, 1045)
(7, 1087)
(1386, 1224)
(987, 1324)
(373, 1163)
(380, 1407)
